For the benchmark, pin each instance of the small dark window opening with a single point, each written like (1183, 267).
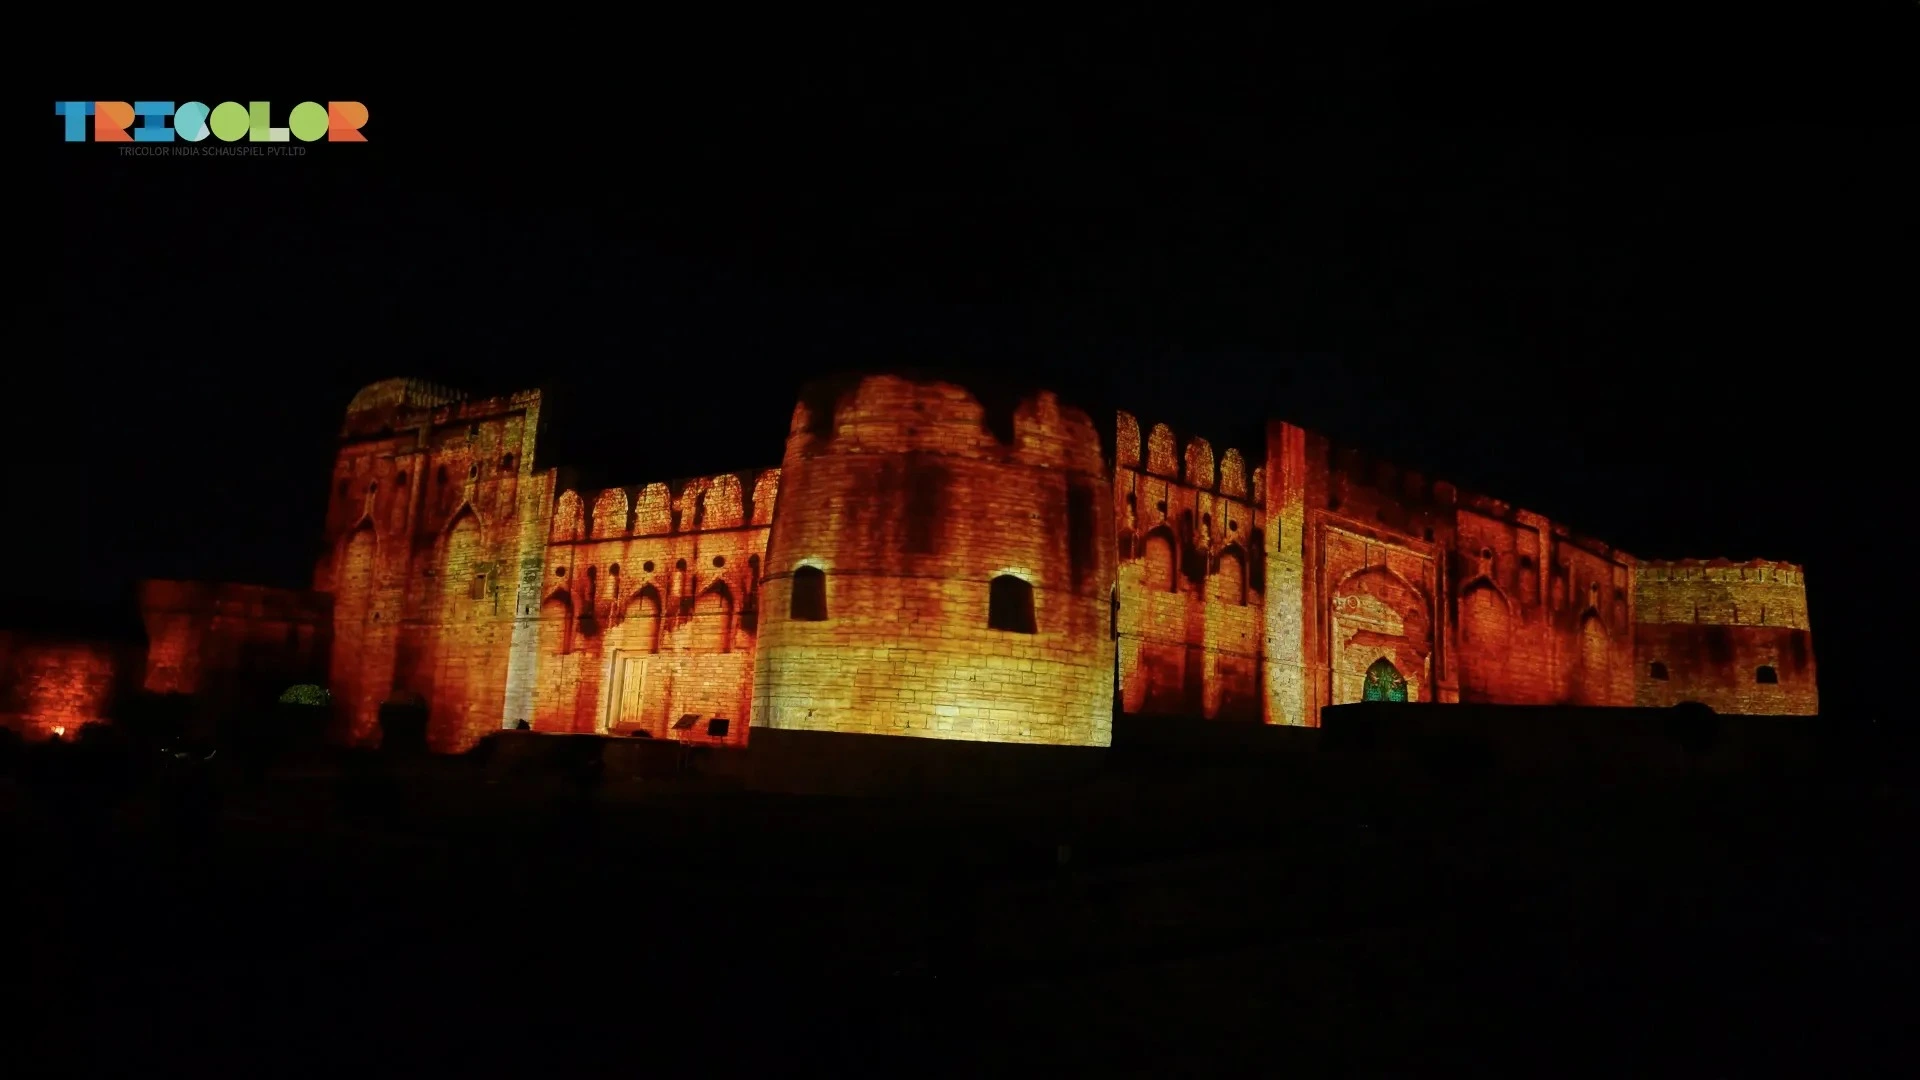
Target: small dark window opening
(402, 478)
(719, 561)
(809, 601)
(478, 590)
(1766, 674)
(1486, 553)
(506, 461)
(647, 566)
(1082, 554)
(680, 564)
(1010, 605)
(473, 432)
(560, 572)
(1657, 670)
(717, 727)
(473, 471)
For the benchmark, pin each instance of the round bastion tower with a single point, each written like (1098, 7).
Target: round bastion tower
(939, 567)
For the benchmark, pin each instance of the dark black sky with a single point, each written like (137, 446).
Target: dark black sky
(1653, 280)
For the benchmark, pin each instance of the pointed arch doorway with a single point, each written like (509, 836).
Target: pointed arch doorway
(1384, 683)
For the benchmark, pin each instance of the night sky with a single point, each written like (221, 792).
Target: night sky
(1654, 284)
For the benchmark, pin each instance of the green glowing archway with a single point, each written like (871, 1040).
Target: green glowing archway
(1384, 683)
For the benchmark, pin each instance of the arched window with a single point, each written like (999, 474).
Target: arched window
(1765, 674)
(1161, 570)
(1384, 683)
(809, 602)
(1228, 583)
(1657, 670)
(1010, 605)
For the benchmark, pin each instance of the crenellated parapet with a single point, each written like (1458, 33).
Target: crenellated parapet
(696, 504)
(1207, 507)
(1758, 592)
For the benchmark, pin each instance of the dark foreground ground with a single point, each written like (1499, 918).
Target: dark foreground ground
(366, 918)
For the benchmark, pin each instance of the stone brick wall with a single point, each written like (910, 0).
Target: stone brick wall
(955, 566)
(1192, 583)
(238, 645)
(650, 609)
(1733, 636)
(1467, 598)
(424, 554)
(56, 685)
(911, 498)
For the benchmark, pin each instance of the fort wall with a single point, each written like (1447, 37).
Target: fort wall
(650, 608)
(1457, 596)
(425, 554)
(52, 685)
(1191, 589)
(1732, 636)
(948, 564)
(233, 647)
(939, 568)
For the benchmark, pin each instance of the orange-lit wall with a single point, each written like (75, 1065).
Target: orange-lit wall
(650, 608)
(433, 530)
(911, 497)
(55, 686)
(1256, 583)
(1192, 587)
(1708, 629)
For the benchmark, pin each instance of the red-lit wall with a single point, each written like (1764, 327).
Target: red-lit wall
(1468, 598)
(1173, 579)
(55, 686)
(244, 644)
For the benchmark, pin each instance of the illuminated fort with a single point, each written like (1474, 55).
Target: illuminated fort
(924, 564)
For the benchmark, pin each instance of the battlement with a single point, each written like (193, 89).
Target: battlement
(1193, 464)
(1758, 592)
(694, 504)
(1364, 485)
(914, 413)
(395, 403)
(405, 394)
(1767, 570)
